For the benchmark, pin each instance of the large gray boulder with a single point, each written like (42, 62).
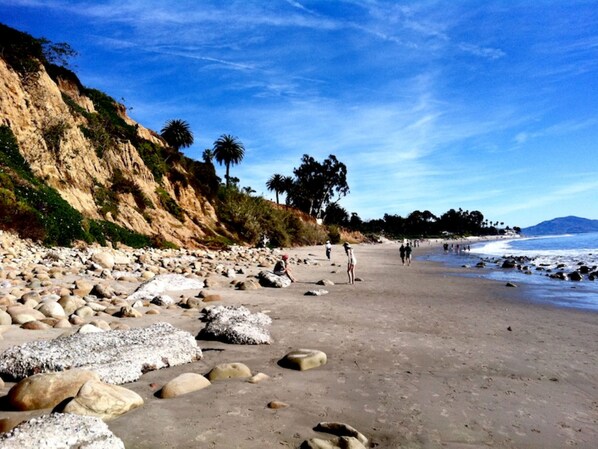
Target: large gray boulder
(236, 325)
(61, 431)
(269, 279)
(118, 356)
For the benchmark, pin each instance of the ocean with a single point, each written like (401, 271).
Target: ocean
(539, 261)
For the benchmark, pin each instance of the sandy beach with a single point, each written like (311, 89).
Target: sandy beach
(418, 357)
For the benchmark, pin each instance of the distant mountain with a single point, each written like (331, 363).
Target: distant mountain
(562, 225)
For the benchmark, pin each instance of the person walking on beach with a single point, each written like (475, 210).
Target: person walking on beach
(408, 254)
(328, 249)
(351, 262)
(282, 268)
(402, 253)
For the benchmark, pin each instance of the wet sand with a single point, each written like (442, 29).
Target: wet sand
(417, 358)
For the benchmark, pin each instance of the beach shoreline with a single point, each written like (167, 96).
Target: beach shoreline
(417, 357)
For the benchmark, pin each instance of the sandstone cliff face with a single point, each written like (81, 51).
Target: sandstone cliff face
(71, 165)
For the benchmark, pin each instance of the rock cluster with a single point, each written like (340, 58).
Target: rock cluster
(117, 356)
(42, 288)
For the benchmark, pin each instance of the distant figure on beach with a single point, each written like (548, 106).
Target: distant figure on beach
(328, 249)
(351, 262)
(408, 254)
(282, 268)
(402, 253)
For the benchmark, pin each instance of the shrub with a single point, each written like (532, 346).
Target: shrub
(53, 132)
(101, 231)
(169, 204)
(334, 234)
(106, 200)
(154, 158)
(252, 217)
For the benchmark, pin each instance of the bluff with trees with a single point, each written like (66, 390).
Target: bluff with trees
(74, 166)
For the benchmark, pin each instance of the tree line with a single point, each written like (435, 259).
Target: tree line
(316, 188)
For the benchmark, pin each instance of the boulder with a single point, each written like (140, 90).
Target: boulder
(269, 279)
(183, 384)
(5, 318)
(96, 398)
(335, 443)
(82, 287)
(325, 282)
(164, 282)
(303, 359)
(52, 309)
(194, 303)
(259, 377)
(236, 325)
(248, 284)
(277, 404)
(61, 431)
(129, 312)
(229, 371)
(35, 325)
(103, 291)
(103, 259)
(118, 356)
(342, 430)
(47, 390)
(575, 276)
(162, 300)
(84, 312)
(70, 303)
(318, 292)
(89, 329)
(21, 314)
(509, 263)
(213, 297)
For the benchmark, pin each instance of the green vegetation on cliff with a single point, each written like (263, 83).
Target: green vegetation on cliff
(34, 210)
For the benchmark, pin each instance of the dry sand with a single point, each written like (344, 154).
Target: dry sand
(417, 358)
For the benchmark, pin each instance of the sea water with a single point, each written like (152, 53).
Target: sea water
(539, 257)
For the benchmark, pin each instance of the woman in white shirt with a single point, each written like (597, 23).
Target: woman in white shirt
(351, 262)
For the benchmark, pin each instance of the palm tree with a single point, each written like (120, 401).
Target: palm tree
(208, 156)
(228, 150)
(277, 184)
(177, 134)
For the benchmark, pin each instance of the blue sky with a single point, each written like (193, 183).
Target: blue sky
(483, 105)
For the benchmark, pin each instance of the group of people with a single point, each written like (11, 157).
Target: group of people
(282, 266)
(405, 253)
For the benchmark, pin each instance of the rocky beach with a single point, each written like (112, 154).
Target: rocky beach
(195, 348)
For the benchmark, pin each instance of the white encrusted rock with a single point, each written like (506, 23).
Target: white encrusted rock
(269, 279)
(236, 325)
(164, 282)
(118, 356)
(61, 431)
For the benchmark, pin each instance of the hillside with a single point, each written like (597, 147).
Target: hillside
(562, 225)
(81, 143)
(74, 167)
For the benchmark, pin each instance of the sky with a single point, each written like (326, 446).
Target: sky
(431, 105)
